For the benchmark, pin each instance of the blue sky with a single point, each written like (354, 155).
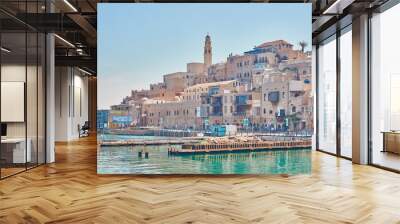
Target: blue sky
(139, 43)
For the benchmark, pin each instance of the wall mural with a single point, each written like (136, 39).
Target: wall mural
(204, 88)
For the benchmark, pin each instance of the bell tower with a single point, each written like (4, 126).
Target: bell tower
(207, 53)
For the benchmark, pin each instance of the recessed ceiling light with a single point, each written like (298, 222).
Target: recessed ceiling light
(70, 5)
(84, 71)
(338, 6)
(64, 40)
(5, 50)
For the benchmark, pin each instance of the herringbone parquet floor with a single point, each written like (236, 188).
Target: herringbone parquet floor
(70, 191)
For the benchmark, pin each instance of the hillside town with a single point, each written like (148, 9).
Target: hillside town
(267, 88)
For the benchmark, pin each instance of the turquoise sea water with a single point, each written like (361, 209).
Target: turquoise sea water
(125, 160)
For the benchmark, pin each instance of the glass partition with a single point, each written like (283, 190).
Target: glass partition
(385, 89)
(23, 89)
(13, 114)
(346, 93)
(327, 96)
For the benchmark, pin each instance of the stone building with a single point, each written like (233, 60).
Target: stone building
(121, 116)
(178, 81)
(286, 103)
(240, 67)
(176, 114)
(195, 68)
(269, 87)
(184, 112)
(217, 72)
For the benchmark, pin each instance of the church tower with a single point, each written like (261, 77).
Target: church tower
(207, 53)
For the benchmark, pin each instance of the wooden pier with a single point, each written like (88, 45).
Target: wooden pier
(240, 147)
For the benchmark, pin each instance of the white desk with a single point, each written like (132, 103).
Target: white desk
(19, 155)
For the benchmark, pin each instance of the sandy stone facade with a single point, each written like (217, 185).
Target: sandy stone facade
(268, 87)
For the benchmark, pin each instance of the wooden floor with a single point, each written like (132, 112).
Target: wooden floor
(70, 191)
(5, 172)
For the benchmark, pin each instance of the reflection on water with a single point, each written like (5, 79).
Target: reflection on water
(125, 160)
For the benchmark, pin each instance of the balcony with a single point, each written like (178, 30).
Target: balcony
(244, 100)
(240, 113)
(216, 110)
(218, 113)
(216, 101)
(243, 103)
(216, 104)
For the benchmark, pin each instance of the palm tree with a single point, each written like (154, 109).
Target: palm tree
(303, 45)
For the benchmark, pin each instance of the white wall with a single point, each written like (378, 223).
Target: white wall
(17, 73)
(71, 102)
(9, 73)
